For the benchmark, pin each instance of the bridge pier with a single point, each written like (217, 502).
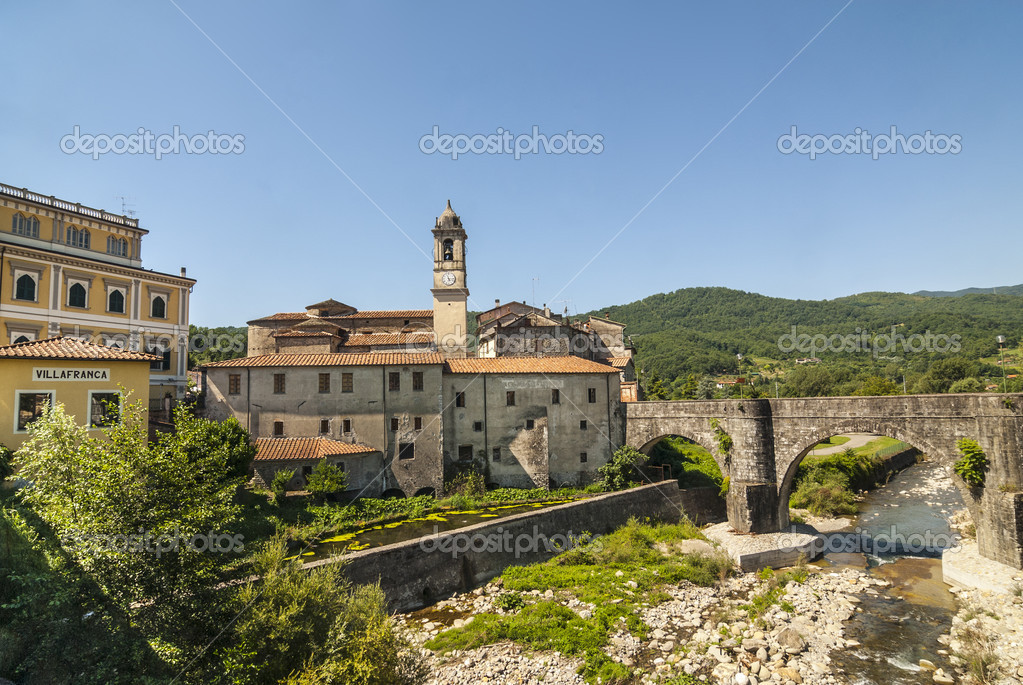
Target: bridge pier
(753, 507)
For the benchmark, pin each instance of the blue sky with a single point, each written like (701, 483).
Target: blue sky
(356, 86)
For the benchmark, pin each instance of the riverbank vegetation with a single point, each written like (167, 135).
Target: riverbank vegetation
(616, 575)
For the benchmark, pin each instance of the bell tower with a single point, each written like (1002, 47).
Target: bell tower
(450, 290)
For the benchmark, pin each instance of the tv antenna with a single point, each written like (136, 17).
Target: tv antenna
(125, 211)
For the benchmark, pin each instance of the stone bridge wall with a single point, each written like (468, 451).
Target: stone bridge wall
(771, 437)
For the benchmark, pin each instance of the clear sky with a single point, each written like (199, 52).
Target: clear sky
(332, 196)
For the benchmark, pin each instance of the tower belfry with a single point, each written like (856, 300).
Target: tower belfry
(450, 290)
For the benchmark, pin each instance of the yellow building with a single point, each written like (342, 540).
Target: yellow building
(85, 377)
(70, 270)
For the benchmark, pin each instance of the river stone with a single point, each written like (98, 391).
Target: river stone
(788, 673)
(789, 640)
(741, 679)
(941, 677)
(927, 665)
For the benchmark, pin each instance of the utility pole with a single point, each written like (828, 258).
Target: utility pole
(1001, 349)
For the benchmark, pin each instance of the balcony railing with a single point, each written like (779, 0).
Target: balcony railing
(65, 206)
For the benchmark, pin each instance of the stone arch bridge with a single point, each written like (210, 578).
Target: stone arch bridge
(771, 437)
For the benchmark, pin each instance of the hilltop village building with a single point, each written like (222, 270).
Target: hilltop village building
(73, 271)
(396, 398)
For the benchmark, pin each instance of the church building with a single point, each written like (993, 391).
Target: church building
(398, 396)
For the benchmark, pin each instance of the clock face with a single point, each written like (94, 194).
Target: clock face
(448, 278)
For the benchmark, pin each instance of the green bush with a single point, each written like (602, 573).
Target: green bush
(326, 479)
(279, 484)
(469, 484)
(693, 465)
(6, 462)
(824, 493)
(620, 470)
(972, 466)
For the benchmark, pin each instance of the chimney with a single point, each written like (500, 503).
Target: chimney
(183, 272)
(497, 302)
(547, 311)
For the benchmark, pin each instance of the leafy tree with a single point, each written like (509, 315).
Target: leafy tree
(810, 381)
(6, 462)
(706, 388)
(874, 386)
(326, 479)
(216, 344)
(139, 518)
(620, 470)
(689, 388)
(279, 484)
(314, 628)
(655, 389)
(944, 372)
(972, 465)
(967, 385)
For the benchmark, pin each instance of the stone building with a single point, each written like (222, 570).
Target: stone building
(74, 271)
(401, 388)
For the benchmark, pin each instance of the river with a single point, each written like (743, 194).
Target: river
(900, 626)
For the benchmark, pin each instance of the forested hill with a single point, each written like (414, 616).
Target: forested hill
(1004, 290)
(700, 330)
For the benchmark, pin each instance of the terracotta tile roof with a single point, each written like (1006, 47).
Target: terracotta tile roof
(281, 316)
(620, 362)
(389, 314)
(370, 339)
(290, 333)
(565, 364)
(71, 348)
(294, 449)
(333, 359)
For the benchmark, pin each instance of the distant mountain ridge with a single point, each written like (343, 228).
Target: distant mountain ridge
(1001, 290)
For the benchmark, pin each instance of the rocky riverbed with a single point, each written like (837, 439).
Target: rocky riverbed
(704, 632)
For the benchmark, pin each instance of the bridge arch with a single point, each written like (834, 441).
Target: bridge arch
(789, 460)
(690, 436)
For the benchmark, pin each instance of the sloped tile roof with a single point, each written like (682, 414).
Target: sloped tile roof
(281, 316)
(565, 364)
(295, 449)
(389, 314)
(290, 333)
(333, 359)
(368, 340)
(71, 348)
(620, 362)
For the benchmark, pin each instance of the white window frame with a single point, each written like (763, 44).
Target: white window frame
(14, 332)
(35, 274)
(17, 405)
(76, 280)
(120, 407)
(165, 294)
(123, 289)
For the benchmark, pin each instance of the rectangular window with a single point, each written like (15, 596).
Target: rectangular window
(278, 383)
(497, 454)
(459, 399)
(417, 380)
(477, 426)
(509, 398)
(529, 424)
(346, 426)
(30, 407)
(324, 426)
(234, 384)
(104, 409)
(582, 425)
(394, 425)
(555, 396)
(347, 383)
(465, 453)
(394, 381)
(417, 423)
(324, 382)
(582, 457)
(406, 450)
(592, 395)
(162, 351)
(278, 429)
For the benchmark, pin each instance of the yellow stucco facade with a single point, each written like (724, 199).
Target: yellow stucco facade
(67, 269)
(88, 388)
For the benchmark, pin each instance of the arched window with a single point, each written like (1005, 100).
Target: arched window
(27, 226)
(76, 295)
(25, 288)
(159, 308)
(115, 302)
(117, 246)
(78, 237)
(21, 339)
(449, 250)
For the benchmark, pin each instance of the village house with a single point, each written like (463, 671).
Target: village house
(398, 394)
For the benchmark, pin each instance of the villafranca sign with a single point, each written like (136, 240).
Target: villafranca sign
(68, 374)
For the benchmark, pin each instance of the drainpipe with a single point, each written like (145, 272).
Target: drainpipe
(3, 251)
(248, 400)
(486, 423)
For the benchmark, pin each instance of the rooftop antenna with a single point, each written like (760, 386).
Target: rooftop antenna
(130, 213)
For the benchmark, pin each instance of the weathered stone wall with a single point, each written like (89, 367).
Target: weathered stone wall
(419, 572)
(771, 437)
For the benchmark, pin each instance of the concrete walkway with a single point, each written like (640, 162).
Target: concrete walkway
(855, 440)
